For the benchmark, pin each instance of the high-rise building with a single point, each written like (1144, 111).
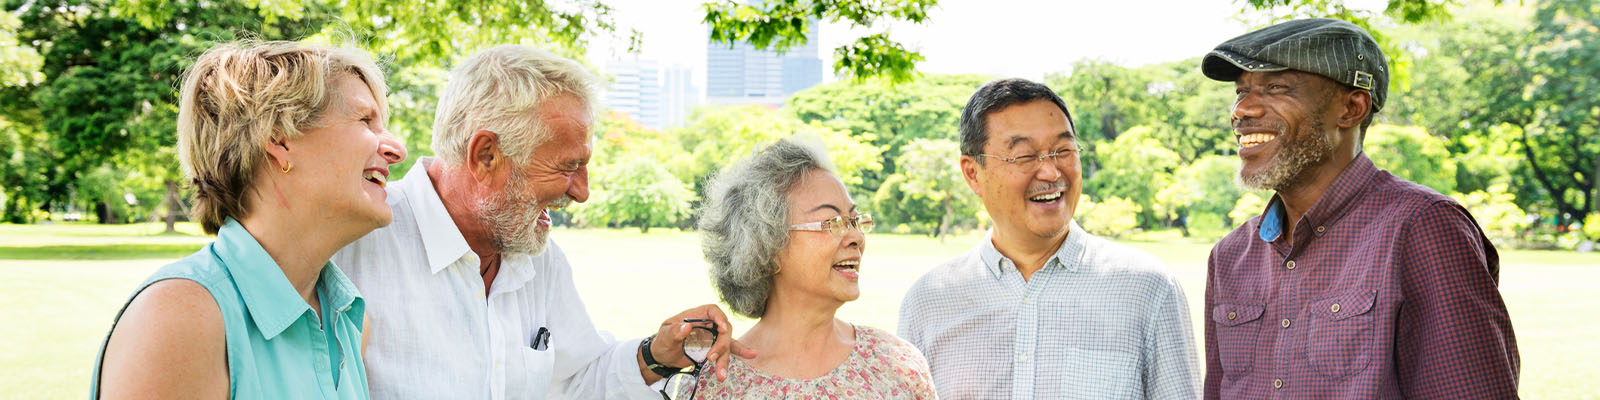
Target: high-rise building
(636, 90)
(679, 95)
(743, 75)
(655, 96)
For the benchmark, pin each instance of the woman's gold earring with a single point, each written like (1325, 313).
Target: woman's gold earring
(287, 167)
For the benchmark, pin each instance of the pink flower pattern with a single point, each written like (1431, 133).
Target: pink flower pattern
(881, 366)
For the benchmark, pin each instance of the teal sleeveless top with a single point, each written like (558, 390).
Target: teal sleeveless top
(278, 348)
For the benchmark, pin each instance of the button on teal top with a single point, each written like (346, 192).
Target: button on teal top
(278, 348)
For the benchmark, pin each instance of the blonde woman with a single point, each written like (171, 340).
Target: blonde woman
(785, 244)
(286, 149)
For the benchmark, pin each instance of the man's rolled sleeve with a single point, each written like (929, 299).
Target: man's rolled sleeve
(1454, 336)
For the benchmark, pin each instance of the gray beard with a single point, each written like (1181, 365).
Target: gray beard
(1286, 169)
(514, 220)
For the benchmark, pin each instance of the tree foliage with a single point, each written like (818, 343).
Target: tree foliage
(782, 25)
(1135, 167)
(928, 193)
(637, 192)
(1112, 217)
(889, 117)
(1412, 154)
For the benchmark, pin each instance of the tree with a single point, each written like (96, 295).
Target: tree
(107, 93)
(928, 192)
(1114, 217)
(1412, 154)
(889, 117)
(1496, 211)
(104, 87)
(1205, 188)
(715, 137)
(638, 192)
(1249, 206)
(1542, 83)
(1134, 167)
(782, 25)
(19, 65)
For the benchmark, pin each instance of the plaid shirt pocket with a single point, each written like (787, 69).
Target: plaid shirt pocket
(1340, 339)
(1101, 374)
(1237, 328)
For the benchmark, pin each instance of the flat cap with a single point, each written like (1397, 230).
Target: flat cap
(1332, 48)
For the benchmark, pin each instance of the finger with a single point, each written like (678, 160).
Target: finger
(716, 315)
(743, 351)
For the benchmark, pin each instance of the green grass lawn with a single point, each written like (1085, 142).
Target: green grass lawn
(60, 286)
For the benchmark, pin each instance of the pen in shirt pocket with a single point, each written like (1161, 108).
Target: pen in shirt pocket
(541, 340)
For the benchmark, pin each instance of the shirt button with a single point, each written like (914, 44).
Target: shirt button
(1335, 307)
(1285, 322)
(1289, 265)
(1027, 300)
(1232, 315)
(1321, 228)
(1277, 384)
(1023, 358)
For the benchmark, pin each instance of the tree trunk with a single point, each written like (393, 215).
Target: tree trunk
(104, 214)
(944, 220)
(172, 203)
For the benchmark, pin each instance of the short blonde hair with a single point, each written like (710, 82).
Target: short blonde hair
(240, 96)
(495, 90)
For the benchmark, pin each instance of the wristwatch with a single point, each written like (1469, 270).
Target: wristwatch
(650, 360)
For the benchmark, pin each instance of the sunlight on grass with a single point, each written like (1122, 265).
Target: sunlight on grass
(61, 287)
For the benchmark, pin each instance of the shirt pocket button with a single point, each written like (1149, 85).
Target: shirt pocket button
(1339, 334)
(1238, 325)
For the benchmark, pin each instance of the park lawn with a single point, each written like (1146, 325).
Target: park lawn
(61, 285)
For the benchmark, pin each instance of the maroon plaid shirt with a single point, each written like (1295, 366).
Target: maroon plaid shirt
(1388, 291)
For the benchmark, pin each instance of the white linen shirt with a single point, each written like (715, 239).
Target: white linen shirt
(1099, 321)
(434, 336)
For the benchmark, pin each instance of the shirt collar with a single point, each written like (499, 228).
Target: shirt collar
(441, 240)
(273, 303)
(337, 291)
(1351, 183)
(1069, 255)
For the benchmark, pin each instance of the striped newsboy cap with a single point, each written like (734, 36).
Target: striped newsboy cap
(1332, 48)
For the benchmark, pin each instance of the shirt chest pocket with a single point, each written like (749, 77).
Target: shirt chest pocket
(530, 373)
(1339, 341)
(1101, 374)
(1237, 328)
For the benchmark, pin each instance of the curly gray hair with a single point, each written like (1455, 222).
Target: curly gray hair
(745, 222)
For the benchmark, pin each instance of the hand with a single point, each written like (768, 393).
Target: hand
(668, 345)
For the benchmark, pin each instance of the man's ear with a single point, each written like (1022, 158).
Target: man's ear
(969, 171)
(484, 158)
(1357, 106)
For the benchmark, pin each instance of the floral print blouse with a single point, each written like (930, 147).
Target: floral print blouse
(881, 366)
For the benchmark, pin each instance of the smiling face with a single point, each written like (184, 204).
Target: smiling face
(346, 157)
(1280, 121)
(814, 264)
(555, 175)
(1032, 201)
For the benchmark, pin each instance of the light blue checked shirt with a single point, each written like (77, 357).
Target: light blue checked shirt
(1099, 321)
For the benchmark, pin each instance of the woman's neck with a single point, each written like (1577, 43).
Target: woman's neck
(299, 241)
(799, 342)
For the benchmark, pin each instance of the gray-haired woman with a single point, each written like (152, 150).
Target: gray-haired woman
(785, 243)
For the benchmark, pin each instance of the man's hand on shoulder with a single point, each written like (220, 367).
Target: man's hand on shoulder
(667, 346)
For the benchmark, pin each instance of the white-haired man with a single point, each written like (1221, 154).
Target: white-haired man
(464, 299)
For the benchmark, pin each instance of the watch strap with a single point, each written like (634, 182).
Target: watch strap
(650, 360)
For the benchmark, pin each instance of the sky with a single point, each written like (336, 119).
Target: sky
(1003, 38)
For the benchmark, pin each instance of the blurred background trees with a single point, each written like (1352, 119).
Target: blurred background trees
(1495, 104)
